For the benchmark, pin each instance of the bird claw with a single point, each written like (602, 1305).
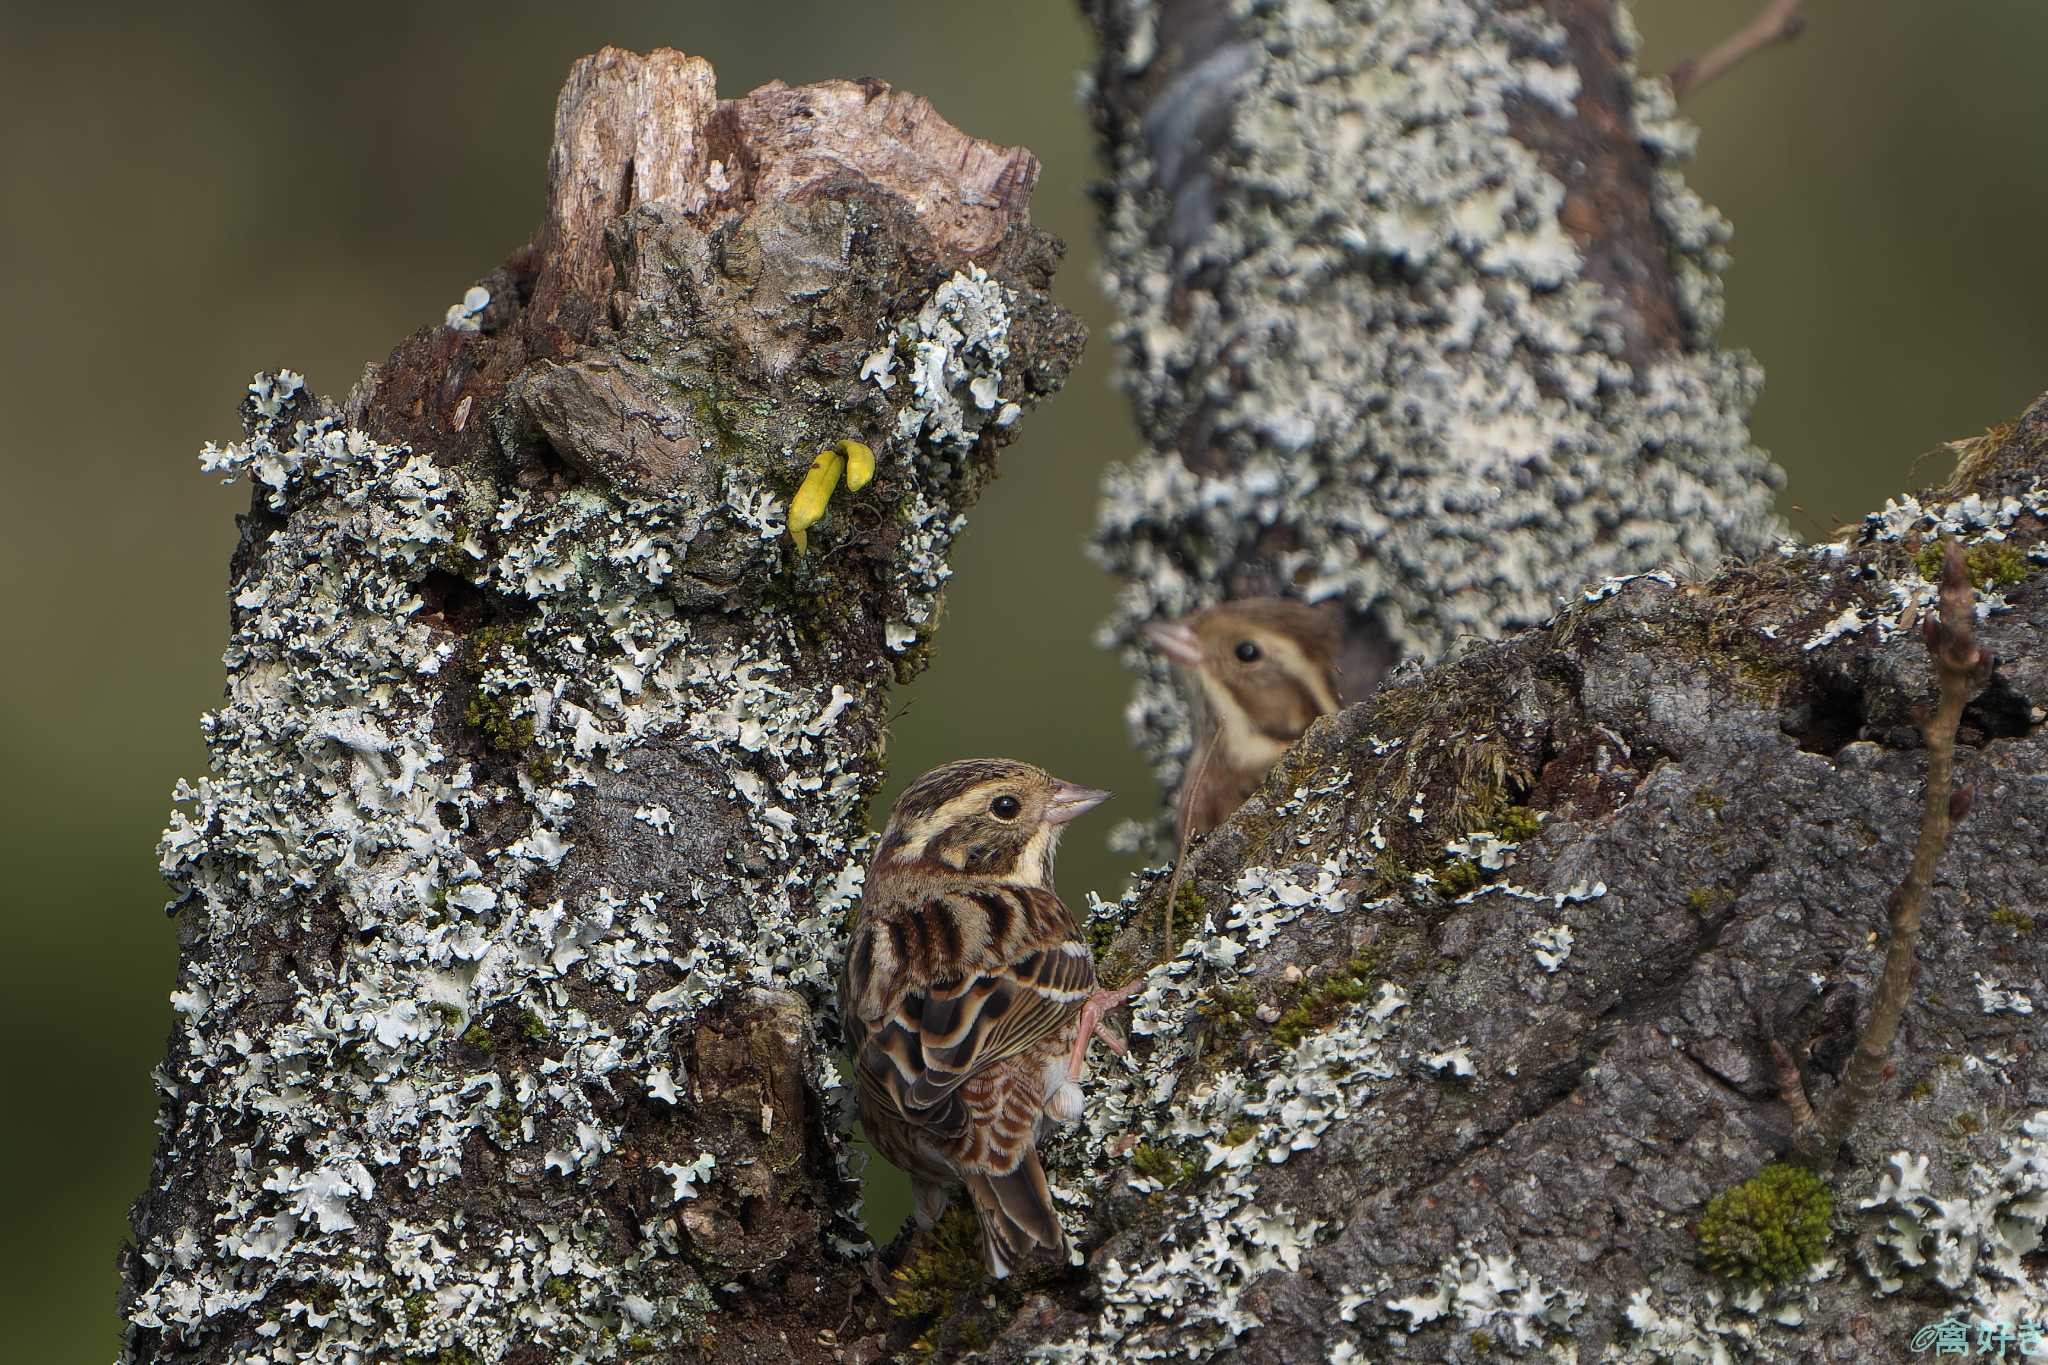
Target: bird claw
(1099, 1004)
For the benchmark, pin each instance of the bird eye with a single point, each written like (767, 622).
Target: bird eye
(1005, 807)
(1247, 651)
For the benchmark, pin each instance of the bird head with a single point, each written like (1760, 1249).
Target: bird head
(1265, 667)
(984, 817)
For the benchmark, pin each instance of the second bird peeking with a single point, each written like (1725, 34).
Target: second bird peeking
(1261, 671)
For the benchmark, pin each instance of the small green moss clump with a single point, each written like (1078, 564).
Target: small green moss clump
(1225, 1013)
(1241, 1132)
(477, 1035)
(1993, 564)
(2019, 921)
(532, 1025)
(1320, 1001)
(505, 731)
(450, 1015)
(932, 1281)
(1156, 1163)
(1515, 824)
(1457, 877)
(511, 1122)
(1705, 900)
(1770, 1229)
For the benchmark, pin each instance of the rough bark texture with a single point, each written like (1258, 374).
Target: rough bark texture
(1417, 1092)
(1416, 316)
(509, 908)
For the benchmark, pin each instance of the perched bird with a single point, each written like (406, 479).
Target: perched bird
(969, 995)
(1263, 669)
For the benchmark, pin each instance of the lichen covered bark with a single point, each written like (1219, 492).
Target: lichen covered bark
(1417, 316)
(510, 904)
(1474, 1021)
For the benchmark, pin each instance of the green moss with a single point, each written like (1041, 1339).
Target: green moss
(1225, 1013)
(449, 1015)
(477, 1035)
(1920, 1091)
(504, 730)
(1457, 877)
(1241, 1132)
(1705, 900)
(1322, 998)
(1770, 1229)
(560, 1289)
(491, 642)
(1992, 564)
(418, 1308)
(1156, 1163)
(532, 1025)
(2019, 921)
(511, 1120)
(1515, 824)
(950, 1266)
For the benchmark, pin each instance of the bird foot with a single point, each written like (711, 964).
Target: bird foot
(1099, 1004)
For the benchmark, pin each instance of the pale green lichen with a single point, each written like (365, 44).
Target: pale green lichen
(415, 785)
(1384, 339)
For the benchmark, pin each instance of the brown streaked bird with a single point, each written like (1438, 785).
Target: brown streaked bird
(969, 995)
(1263, 670)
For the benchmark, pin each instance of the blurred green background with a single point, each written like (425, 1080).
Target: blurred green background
(190, 193)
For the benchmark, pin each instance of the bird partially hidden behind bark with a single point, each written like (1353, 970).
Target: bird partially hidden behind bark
(969, 995)
(1262, 670)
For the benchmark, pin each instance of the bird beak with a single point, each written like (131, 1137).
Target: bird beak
(1176, 640)
(1069, 801)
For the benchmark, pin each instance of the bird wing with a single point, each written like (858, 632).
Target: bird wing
(959, 1014)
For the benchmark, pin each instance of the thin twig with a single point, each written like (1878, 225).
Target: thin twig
(1180, 854)
(1790, 1089)
(1779, 21)
(1962, 668)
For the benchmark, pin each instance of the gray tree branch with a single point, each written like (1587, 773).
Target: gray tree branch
(509, 907)
(1417, 317)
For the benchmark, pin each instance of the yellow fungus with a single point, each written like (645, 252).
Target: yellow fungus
(812, 494)
(860, 465)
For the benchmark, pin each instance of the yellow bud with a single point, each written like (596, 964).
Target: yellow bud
(860, 465)
(812, 494)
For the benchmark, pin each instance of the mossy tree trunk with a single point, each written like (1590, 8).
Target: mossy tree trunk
(1417, 317)
(509, 908)
(1472, 1031)
(1474, 1019)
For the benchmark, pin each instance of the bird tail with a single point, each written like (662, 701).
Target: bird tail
(1015, 1210)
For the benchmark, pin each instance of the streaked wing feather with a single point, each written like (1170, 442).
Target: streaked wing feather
(916, 1057)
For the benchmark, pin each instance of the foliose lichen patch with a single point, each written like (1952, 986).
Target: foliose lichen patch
(439, 686)
(1382, 373)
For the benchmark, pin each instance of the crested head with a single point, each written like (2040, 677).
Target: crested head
(1266, 667)
(983, 817)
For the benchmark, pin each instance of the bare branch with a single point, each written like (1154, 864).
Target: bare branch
(1180, 853)
(1962, 668)
(1791, 1089)
(1779, 21)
